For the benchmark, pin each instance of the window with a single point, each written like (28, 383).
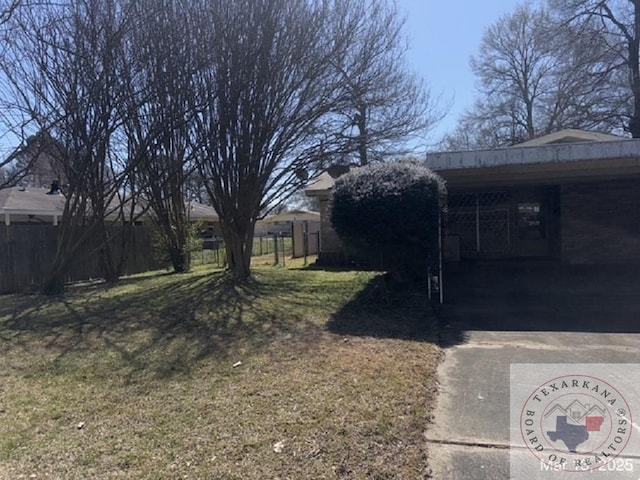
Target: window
(530, 221)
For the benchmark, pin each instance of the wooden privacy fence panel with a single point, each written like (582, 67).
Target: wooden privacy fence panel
(27, 253)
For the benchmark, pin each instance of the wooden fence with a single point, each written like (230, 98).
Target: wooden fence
(27, 253)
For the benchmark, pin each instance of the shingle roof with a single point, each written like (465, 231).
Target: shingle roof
(199, 211)
(36, 201)
(30, 202)
(321, 184)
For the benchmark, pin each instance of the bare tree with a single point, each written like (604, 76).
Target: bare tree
(536, 78)
(617, 24)
(158, 125)
(288, 84)
(8, 8)
(16, 162)
(261, 102)
(256, 93)
(66, 71)
(383, 107)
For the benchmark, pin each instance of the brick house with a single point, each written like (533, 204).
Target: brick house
(571, 196)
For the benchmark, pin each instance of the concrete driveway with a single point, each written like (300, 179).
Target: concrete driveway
(522, 315)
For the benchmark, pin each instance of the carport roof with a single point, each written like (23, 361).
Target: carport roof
(539, 164)
(294, 215)
(569, 135)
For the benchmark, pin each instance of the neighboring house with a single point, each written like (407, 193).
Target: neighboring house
(37, 164)
(571, 196)
(24, 206)
(19, 205)
(199, 212)
(283, 222)
(206, 216)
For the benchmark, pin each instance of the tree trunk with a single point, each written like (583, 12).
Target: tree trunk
(54, 282)
(179, 259)
(531, 130)
(238, 247)
(109, 261)
(183, 256)
(110, 269)
(54, 285)
(176, 235)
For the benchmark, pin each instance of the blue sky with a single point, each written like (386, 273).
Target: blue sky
(443, 35)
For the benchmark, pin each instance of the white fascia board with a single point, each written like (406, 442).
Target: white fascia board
(40, 213)
(556, 153)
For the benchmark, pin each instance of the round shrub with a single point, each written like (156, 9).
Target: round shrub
(388, 214)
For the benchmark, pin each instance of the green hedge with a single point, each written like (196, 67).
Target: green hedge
(388, 214)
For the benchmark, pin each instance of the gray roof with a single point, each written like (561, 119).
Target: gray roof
(37, 201)
(199, 211)
(320, 185)
(34, 201)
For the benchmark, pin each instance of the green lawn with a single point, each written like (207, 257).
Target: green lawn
(138, 381)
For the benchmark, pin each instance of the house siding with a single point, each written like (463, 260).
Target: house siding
(331, 247)
(600, 222)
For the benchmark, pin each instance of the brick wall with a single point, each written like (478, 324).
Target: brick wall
(600, 222)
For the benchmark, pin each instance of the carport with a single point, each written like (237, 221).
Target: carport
(544, 235)
(572, 197)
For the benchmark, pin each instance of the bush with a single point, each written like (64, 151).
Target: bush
(167, 251)
(388, 214)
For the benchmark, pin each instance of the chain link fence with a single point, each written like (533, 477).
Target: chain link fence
(274, 248)
(480, 222)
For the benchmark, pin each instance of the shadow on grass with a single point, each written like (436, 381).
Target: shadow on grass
(161, 326)
(385, 310)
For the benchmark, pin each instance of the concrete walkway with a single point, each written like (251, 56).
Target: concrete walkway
(470, 437)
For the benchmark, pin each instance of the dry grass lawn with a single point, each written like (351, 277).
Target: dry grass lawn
(144, 381)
